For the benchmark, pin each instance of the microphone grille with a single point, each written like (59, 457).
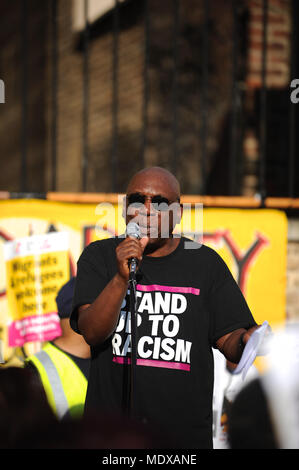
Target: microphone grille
(133, 230)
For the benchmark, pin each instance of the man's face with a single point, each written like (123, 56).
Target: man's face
(152, 201)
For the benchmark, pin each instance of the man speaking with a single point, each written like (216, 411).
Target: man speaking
(186, 303)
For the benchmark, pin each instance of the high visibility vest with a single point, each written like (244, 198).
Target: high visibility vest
(64, 383)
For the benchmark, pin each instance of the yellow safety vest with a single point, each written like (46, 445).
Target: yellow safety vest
(63, 381)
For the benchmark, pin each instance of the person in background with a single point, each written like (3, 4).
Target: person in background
(28, 421)
(63, 364)
(265, 413)
(24, 409)
(226, 388)
(249, 421)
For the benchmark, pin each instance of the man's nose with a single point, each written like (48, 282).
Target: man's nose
(147, 212)
(148, 205)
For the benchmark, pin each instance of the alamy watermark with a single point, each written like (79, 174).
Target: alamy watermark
(295, 93)
(2, 92)
(155, 222)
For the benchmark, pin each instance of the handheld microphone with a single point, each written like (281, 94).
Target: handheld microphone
(133, 230)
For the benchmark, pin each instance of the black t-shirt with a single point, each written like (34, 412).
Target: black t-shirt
(185, 302)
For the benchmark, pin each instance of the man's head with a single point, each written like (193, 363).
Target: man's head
(153, 201)
(69, 341)
(64, 299)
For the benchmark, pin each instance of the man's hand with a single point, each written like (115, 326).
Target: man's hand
(232, 344)
(249, 332)
(263, 349)
(126, 250)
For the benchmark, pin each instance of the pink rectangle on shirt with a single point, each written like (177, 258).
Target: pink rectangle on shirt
(157, 287)
(153, 363)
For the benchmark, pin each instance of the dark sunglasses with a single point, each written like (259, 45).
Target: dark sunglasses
(160, 203)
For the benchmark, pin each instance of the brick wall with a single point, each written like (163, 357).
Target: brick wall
(100, 102)
(159, 145)
(160, 111)
(278, 52)
(11, 56)
(278, 43)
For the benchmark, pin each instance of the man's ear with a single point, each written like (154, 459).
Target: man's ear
(178, 213)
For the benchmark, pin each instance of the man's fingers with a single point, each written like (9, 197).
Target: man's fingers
(131, 248)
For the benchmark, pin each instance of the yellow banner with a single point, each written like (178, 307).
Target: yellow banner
(36, 268)
(253, 243)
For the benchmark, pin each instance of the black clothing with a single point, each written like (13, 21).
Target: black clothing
(185, 302)
(82, 363)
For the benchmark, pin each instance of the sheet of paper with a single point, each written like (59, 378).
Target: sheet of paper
(251, 350)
